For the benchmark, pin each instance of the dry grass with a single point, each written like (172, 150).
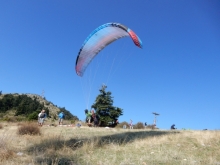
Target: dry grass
(6, 151)
(101, 146)
(29, 129)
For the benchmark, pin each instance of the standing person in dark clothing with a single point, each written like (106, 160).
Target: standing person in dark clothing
(145, 125)
(95, 118)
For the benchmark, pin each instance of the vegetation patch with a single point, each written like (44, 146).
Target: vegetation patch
(6, 154)
(123, 124)
(139, 125)
(23, 107)
(29, 129)
(5, 150)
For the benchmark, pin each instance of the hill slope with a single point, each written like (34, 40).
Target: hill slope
(29, 105)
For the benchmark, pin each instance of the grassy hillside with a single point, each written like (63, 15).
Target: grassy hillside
(27, 106)
(102, 146)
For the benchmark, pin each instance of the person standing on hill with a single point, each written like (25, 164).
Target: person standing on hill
(95, 118)
(145, 125)
(41, 117)
(131, 124)
(61, 117)
(88, 116)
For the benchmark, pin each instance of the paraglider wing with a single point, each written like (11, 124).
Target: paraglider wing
(98, 40)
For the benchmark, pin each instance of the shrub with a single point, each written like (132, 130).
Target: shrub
(72, 121)
(151, 126)
(29, 128)
(10, 119)
(54, 117)
(33, 116)
(13, 118)
(20, 118)
(139, 125)
(120, 125)
(6, 118)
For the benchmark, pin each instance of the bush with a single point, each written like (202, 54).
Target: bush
(20, 118)
(33, 116)
(72, 121)
(10, 119)
(54, 117)
(13, 118)
(29, 128)
(5, 118)
(152, 126)
(139, 125)
(120, 125)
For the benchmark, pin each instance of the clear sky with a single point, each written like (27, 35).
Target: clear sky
(176, 74)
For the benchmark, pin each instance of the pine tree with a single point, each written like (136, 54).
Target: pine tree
(107, 113)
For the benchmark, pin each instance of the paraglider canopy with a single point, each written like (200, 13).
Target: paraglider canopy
(98, 40)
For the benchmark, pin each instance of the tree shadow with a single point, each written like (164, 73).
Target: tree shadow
(57, 143)
(127, 137)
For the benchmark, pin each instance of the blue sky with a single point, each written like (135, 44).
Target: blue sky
(176, 74)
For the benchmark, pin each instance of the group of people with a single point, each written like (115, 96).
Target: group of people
(42, 116)
(91, 117)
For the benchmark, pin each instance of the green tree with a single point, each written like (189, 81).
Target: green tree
(6, 103)
(107, 113)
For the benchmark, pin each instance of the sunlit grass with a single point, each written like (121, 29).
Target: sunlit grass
(6, 150)
(101, 146)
